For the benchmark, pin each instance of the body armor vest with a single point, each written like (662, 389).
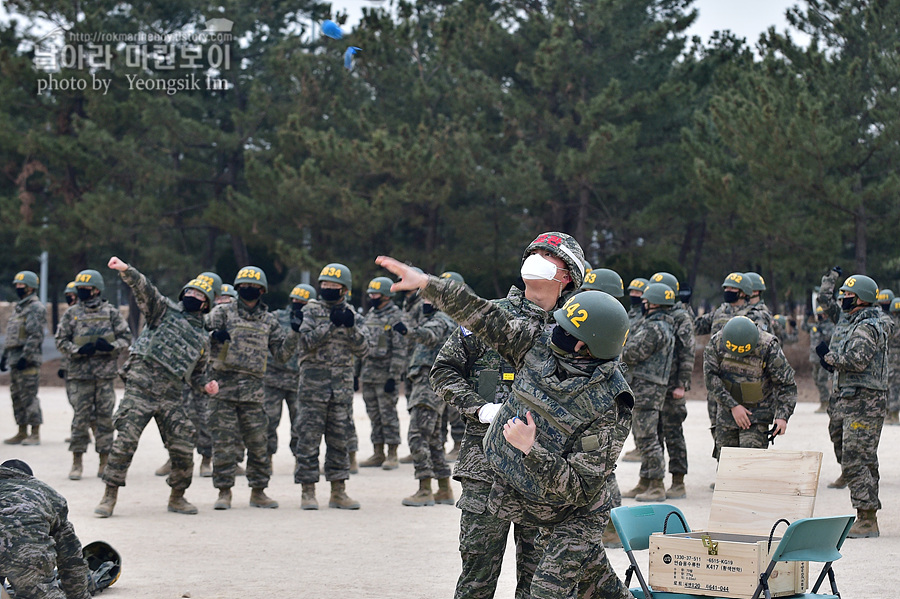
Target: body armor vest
(175, 343)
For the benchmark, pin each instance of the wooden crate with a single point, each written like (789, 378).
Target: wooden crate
(754, 489)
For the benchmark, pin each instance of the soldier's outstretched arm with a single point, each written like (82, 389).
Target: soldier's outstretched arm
(151, 302)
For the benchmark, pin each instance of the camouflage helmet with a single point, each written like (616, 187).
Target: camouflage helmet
(380, 285)
(885, 296)
(228, 290)
(757, 283)
(865, 288)
(739, 280)
(303, 292)
(895, 305)
(666, 278)
(638, 284)
(27, 278)
(204, 287)
(89, 278)
(741, 335)
(336, 273)
(70, 288)
(606, 280)
(564, 247)
(453, 275)
(253, 275)
(596, 318)
(214, 280)
(660, 294)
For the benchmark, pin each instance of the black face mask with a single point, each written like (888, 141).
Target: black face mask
(85, 293)
(70, 299)
(249, 293)
(563, 340)
(644, 309)
(330, 295)
(848, 303)
(21, 292)
(191, 304)
(636, 300)
(427, 309)
(730, 297)
(886, 308)
(297, 307)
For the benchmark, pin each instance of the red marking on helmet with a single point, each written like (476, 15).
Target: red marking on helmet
(551, 239)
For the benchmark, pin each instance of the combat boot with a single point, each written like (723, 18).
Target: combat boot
(656, 491)
(35, 437)
(390, 461)
(376, 460)
(104, 459)
(422, 497)
(19, 436)
(676, 491)
(354, 466)
(105, 509)
(77, 466)
(453, 455)
(339, 497)
(610, 537)
(308, 497)
(839, 483)
(223, 502)
(642, 486)
(258, 498)
(180, 505)
(865, 527)
(444, 494)
(893, 418)
(632, 456)
(206, 467)
(822, 409)
(407, 459)
(165, 469)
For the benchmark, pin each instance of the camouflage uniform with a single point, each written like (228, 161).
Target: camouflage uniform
(171, 351)
(649, 352)
(762, 381)
(281, 381)
(326, 391)
(832, 310)
(237, 411)
(24, 336)
(674, 411)
(89, 379)
(819, 331)
(760, 314)
(574, 494)
(468, 374)
(894, 369)
(427, 334)
(36, 538)
(385, 360)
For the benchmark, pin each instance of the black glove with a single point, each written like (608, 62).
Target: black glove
(221, 335)
(793, 323)
(390, 385)
(103, 345)
(356, 383)
(838, 270)
(3, 364)
(349, 317)
(61, 373)
(87, 349)
(400, 328)
(296, 320)
(22, 364)
(822, 349)
(826, 365)
(337, 316)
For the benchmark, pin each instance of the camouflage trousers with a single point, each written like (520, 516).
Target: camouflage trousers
(648, 402)
(729, 435)
(453, 420)
(275, 398)
(233, 423)
(671, 421)
(23, 390)
(197, 406)
(574, 563)
(893, 402)
(482, 543)
(29, 561)
(331, 419)
(151, 393)
(381, 407)
(426, 442)
(822, 379)
(860, 417)
(93, 402)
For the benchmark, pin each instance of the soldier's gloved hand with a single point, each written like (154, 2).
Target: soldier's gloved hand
(22, 364)
(488, 412)
(822, 349)
(838, 270)
(336, 316)
(390, 385)
(296, 319)
(826, 365)
(61, 373)
(349, 317)
(356, 383)
(400, 328)
(103, 345)
(793, 323)
(87, 349)
(221, 335)
(3, 364)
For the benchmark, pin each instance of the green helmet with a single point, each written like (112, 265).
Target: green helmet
(660, 294)
(885, 296)
(204, 287)
(606, 280)
(254, 275)
(89, 278)
(666, 278)
(450, 274)
(596, 318)
(757, 283)
(587, 267)
(565, 248)
(214, 280)
(336, 273)
(303, 292)
(865, 288)
(228, 290)
(381, 285)
(28, 278)
(895, 305)
(741, 335)
(638, 284)
(70, 288)
(739, 280)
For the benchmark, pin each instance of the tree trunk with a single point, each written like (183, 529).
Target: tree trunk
(861, 247)
(698, 253)
(241, 255)
(584, 198)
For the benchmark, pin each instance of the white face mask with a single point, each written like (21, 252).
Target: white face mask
(538, 267)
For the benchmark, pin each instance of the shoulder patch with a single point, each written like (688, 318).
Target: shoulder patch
(465, 332)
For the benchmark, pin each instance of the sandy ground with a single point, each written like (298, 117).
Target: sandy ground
(385, 549)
